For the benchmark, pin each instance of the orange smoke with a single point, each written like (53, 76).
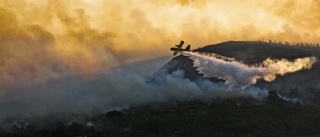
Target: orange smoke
(42, 39)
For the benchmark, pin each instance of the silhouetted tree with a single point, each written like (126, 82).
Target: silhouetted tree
(273, 98)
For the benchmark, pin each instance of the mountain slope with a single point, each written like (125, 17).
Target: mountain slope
(303, 83)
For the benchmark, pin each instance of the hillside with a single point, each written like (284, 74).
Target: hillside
(247, 52)
(229, 118)
(303, 84)
(179, 105)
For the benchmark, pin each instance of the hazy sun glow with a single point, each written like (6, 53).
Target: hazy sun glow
(44, 39)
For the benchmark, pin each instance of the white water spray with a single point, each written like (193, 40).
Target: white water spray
(239, 75)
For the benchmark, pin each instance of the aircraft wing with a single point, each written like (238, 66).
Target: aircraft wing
(180, 45)
(188, 48)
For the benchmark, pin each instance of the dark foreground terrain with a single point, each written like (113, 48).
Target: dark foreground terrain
(247, 117)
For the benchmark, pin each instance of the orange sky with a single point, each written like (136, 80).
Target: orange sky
(42, 39)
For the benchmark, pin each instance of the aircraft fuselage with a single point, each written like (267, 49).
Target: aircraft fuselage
(178, 48)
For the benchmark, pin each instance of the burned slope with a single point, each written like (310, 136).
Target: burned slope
(303, 83)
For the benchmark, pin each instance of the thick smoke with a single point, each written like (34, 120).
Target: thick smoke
(114, 90)
(123, 89)
(73, 42)
(118, 89)
(238, 75)
(43, 40)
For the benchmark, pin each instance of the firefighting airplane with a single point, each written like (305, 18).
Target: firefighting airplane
(178, 48)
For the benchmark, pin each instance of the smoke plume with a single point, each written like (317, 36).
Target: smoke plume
(49, 39)
(49, 47)
(112, 91)
(238, 75)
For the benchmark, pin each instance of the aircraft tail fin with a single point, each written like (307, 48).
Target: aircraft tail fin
(188, 48)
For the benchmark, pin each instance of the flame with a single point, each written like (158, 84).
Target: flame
(254, 103)
(238, 103)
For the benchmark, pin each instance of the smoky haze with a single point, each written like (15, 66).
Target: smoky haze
(77, 40)
(114, 90)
